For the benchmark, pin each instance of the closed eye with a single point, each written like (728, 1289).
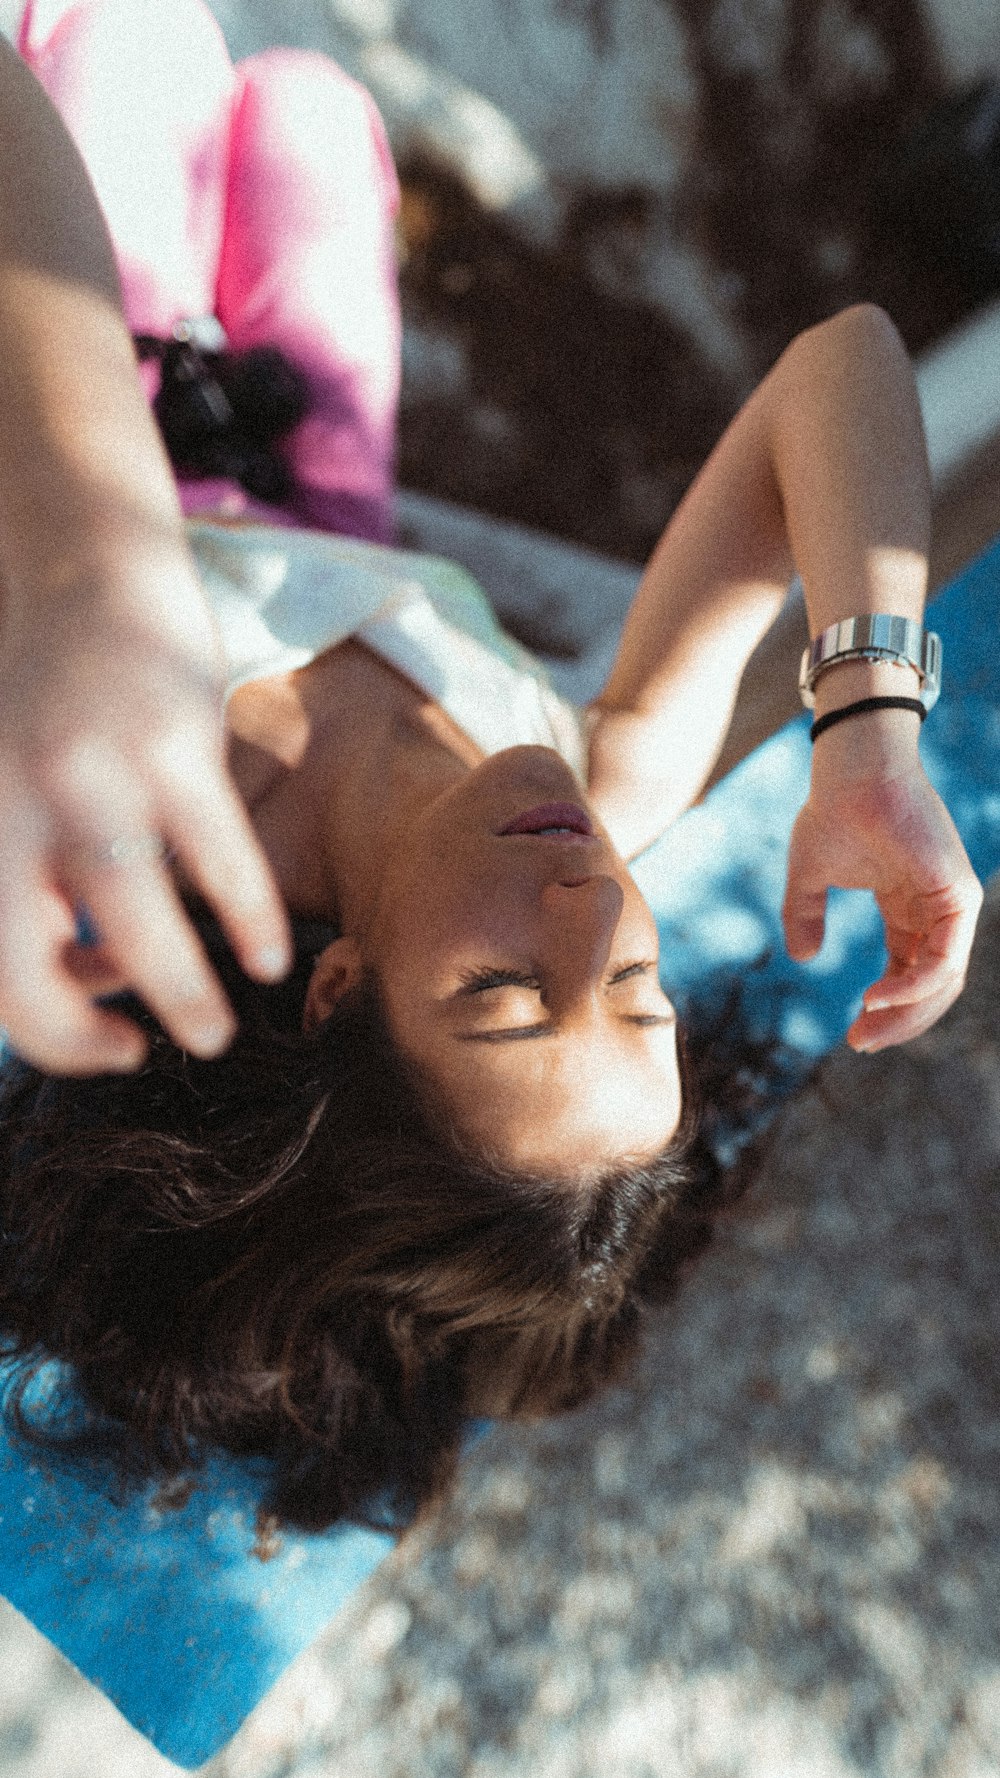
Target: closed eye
(478, 981)
(630, 969)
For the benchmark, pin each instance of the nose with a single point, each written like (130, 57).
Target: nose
(581, 918)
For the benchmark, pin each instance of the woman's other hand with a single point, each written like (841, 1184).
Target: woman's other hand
(873, 821)
(110, 757)
(110, 706)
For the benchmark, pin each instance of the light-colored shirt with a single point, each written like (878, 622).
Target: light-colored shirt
(281, 597)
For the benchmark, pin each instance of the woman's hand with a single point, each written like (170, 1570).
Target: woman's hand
(873, 821)
(111, 750)
(110, 705)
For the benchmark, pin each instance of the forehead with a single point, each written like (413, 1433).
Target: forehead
(567, 1101)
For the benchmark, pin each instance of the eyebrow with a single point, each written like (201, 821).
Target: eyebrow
(525, 1033)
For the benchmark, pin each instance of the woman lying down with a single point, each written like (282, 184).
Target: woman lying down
(326, 1211)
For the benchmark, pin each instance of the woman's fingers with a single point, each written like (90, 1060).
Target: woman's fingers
(903, 848)
(47, 1012)
(803, 912)
(926, 972)
(934, 957)
(213, 839)
(100, 841)
(899, 1024)
(49, 981)
(110, 753)
(95, 971)
(804, 919)
(145, 931)
(912, 987)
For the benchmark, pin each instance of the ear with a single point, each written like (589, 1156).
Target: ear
(337, 969)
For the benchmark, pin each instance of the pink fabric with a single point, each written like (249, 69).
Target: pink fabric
(264, 194)
(308, 265)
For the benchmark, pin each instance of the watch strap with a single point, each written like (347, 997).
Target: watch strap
(875, 636)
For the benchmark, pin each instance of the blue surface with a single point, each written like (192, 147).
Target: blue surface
(170, 1612)
(717, 879)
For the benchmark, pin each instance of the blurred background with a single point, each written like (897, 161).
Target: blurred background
(617, 213)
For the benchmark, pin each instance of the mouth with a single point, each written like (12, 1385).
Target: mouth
(553, 820)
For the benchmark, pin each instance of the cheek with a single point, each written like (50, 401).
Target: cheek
(442, 900)
(465, 892)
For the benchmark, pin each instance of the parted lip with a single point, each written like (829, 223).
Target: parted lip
(548, 815)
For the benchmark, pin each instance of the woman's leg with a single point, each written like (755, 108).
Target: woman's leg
(308, 265)
(265, 195)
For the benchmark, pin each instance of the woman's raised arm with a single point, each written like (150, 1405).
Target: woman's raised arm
(110, 677)
(824, 471)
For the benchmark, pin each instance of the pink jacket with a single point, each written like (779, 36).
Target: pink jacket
(262, 193)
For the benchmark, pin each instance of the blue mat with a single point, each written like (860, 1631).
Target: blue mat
(173, 1613)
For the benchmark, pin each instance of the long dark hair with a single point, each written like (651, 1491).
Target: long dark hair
(275, 1252)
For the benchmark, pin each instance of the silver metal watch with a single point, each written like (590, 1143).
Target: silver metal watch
(875, 637)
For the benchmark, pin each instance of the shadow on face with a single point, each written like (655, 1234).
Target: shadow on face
(518, 965)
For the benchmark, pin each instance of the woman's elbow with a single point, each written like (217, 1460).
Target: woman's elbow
(863, 331)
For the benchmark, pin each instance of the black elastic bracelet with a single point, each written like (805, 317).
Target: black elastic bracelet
(860, 708)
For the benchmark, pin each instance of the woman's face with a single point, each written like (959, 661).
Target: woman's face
(519, 970)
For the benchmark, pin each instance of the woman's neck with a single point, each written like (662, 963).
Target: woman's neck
(333, 761)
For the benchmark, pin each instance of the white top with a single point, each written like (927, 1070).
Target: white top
(282, 596)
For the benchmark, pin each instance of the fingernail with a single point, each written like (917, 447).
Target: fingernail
(127, 1060)
(273, 962)
(211, 1040)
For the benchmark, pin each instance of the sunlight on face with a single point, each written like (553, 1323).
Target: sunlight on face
(519, 971)
(568, 1096)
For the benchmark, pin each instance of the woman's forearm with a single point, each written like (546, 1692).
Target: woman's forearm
(110, 660)
(847, 444)
(85, 485)
(824, 470)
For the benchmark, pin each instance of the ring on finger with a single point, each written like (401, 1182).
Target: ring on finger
(128, 849)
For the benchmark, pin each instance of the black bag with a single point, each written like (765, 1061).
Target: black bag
(225, 413)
